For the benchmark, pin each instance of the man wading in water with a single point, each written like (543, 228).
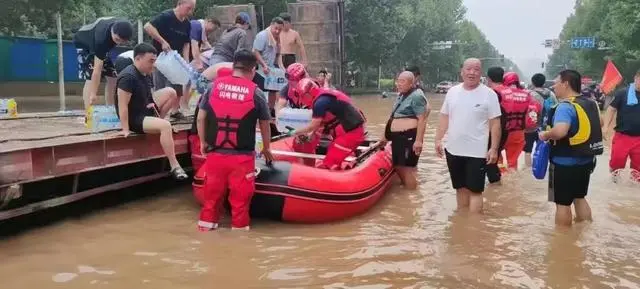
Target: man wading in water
(469, 113)
(625, 109)
(576, 138)
(405, 128)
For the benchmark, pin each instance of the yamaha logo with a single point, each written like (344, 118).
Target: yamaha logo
(220, 86)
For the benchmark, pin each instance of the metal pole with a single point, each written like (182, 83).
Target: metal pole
(379, 72)
(341, 45)
(262, 16)
(60, 63)
(140, 32)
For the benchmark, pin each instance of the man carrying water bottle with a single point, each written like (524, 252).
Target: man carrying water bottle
(170, 30)
(226, 124)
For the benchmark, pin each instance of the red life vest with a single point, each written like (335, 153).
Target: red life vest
(351, 119)
(224, 71)
(233, 123)
(515, 102)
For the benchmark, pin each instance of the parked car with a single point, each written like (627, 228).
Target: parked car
(443, 86)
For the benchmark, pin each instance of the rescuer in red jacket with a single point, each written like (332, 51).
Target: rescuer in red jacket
(515, 101)
(227, 131)
(335, 115)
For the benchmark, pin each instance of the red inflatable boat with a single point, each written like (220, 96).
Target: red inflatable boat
(293, 192)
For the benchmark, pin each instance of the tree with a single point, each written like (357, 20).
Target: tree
(617, 23)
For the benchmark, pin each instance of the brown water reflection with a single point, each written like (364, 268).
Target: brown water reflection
(408, 240)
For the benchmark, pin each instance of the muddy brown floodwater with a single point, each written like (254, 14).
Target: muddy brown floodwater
(408, 240)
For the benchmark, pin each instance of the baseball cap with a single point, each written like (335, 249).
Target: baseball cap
(244, 16)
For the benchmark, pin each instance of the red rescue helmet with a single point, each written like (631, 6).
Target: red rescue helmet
(511, 78)
(296, 72)
(306, 86)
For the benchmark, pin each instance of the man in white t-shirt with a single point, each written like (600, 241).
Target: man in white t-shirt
(470, 116)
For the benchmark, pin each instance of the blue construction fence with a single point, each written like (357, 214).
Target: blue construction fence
(35, 59)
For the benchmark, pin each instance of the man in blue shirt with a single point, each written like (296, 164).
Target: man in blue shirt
(199, 42)
(576, 139)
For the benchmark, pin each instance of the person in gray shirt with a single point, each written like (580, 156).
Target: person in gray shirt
(232, 40)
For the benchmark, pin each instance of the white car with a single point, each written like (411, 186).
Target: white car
(443, 86)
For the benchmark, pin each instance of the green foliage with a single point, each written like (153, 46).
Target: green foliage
(617, 22)
(387, 83)
(405, 37)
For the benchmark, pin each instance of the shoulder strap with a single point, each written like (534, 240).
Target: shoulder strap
(401, 101)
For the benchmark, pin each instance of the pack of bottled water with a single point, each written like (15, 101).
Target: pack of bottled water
(275, 80)
(8, 107)
(102, 117)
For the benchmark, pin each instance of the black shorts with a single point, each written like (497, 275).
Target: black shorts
(288, 59)
(467, 172)
(122, 63)
(567, 183)
(530, 139)
(135, 122)
(402, 148)
(259, 81)
(85, 65)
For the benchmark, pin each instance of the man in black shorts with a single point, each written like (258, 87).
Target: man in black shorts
(171, 30)
(93, 42)
(142, 111)
(470, 114)
(576, 139)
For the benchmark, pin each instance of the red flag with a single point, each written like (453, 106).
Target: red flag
(611, 78)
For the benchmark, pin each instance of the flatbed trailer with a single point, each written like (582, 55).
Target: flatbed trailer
(49, 159)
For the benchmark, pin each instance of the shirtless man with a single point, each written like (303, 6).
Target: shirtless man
(289, 41)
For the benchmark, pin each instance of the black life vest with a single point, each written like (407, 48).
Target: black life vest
(587, 140)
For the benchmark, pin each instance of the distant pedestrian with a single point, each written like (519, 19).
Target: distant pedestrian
(470, 117)
(547, 99)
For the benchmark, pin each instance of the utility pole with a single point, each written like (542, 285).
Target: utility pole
(63, 106)
(140, 31)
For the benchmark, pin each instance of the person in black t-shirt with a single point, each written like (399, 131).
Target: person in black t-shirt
(623, 116)
(93, 42)
(142, 111)
(171, 30)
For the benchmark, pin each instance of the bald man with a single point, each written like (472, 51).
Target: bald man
(405, 128)
(470, 117)
(171, 30)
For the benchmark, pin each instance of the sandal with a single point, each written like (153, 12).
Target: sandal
(179, 174)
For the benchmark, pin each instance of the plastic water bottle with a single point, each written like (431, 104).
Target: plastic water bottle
(194, 99)
(293, 117)
(259, 145)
